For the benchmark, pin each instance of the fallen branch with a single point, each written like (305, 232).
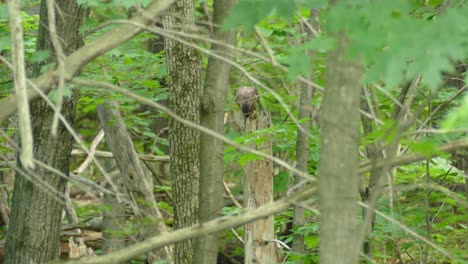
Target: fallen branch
(109, 155)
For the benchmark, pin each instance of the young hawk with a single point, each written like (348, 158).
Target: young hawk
(247, 99)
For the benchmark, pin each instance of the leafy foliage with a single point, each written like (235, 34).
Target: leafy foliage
(396, 41)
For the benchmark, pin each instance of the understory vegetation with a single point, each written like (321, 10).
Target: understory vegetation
(413, 119)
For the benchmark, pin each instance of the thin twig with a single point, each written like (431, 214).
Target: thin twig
(110, 155)
(233, 199)
(92, 151)
(443, 105)
(266, 47)
(60, 63)
(237, 235)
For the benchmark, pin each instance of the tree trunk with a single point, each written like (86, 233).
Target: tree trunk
(34, 232)
(258, 190)
(136, 182)
(373, 153)
(184, 66)
(302, 142)
(211, 150)
(114, 215)
(338, 175)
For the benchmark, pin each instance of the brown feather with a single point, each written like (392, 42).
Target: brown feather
(247, 99)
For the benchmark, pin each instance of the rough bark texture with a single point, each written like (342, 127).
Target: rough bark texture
(211, 150)
(34, 231)
(37, 203)
(258, 190)
(135, 180)
(338, 170)
(184, 66)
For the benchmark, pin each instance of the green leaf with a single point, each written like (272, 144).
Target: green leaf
(130, 3)
(315, 4)
(4, 11)
(407, 245)
(280, 182)
(248, 157)
(428, 149)
(397, 45)
(266, 32)
(5, 43)
(88, 3)
(246, 13)
(67, 93)
(299, 64)
(284, 8)
(457, 118)
(40, 55)
(321, 44)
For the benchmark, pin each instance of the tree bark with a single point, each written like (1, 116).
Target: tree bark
(338, 175)
(258, 190)
(114, 215)
(135, 180)
(211, 150)
(34, 232)
(373, 153)
(302, 142)
(184, 66)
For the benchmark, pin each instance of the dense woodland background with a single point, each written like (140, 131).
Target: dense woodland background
(137, 145)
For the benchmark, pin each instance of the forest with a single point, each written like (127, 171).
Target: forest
(234, 131)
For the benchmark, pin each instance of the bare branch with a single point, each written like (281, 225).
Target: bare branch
(60, 56)
(267, 47)
(92, 151)
(107, 154)
(19, 75)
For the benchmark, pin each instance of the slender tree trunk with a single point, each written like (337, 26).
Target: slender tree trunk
(374, 153)
(135, 179)
(338, 175)
(34, 232)
(184, 66)
(258, 190)
(211, 150)
(302, 142)
(302, 158)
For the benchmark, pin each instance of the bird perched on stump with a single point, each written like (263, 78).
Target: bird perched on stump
(247, 99)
